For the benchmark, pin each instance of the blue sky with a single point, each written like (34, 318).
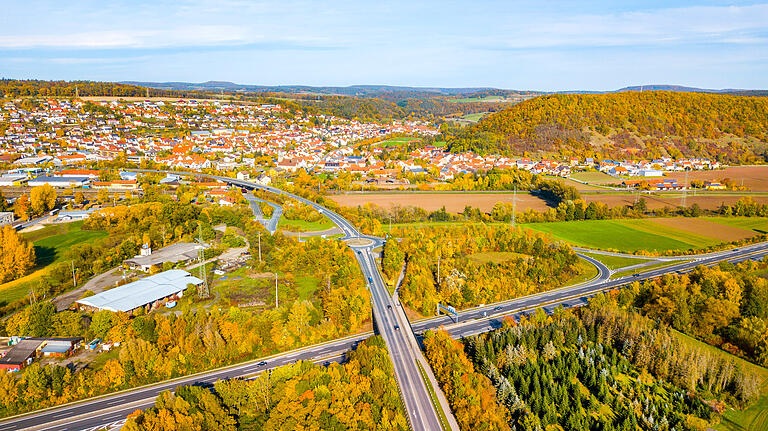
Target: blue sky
(538, 45)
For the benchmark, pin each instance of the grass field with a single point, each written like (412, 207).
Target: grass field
(588, 272)
(615, 262)
(50, 243)
(303, 225)
(396, 142)
(624, 235)
(661, 264)
(475, 117)
(307, 285)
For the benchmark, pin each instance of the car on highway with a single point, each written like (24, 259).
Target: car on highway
(635, 275)
(397, 327)
(370, 280)
(389, 307)
(497, 308)
(262, 363)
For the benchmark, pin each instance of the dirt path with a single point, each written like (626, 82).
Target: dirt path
(96, 284)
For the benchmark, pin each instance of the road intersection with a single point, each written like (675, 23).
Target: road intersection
(114, 407)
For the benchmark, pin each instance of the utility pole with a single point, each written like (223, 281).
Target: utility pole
(259, 247)
(685, 189)
(277, 305)
(202, 291)
(74, 280)
(514, 204)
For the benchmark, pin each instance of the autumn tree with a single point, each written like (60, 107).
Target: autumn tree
(17, 255)
(21, 208)
(42, 198)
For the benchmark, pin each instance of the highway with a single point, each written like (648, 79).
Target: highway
(107, 409)
(413, 390)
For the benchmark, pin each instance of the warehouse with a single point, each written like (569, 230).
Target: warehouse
(174, 253)
(148, 293)
(59, 181)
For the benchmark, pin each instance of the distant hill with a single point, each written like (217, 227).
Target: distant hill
(352, 90)
(647, 124)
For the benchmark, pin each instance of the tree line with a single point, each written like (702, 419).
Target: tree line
(360, 394)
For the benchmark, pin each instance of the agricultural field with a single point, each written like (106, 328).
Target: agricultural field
(755, 224)
(594, 177)
(753, 177)
(50, 243)
(709, 201)
(673, 234)
(454, 202)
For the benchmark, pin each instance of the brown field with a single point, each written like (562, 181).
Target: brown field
(699, 226)
(453, 202)
(659, 201)
(754, 177)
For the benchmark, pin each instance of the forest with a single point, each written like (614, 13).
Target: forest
(725, 306)
(468, 273)
(596, 368)
(627, 125)
(360, 394)
(19, 88)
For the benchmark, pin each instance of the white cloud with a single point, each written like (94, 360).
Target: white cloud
(202, 35)
(736, 25)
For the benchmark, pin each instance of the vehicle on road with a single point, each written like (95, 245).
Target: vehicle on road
(370, 280)
(262, 363)
(635, 275)
(397, 327)
(389, 307)
(497, 308)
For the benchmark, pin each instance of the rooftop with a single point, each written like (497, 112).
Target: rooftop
(142, 292)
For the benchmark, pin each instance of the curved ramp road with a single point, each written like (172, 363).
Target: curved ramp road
(113, 408)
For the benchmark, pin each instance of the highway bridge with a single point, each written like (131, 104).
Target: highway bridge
(113, 408)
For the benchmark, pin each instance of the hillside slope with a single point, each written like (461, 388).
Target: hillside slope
(627, 124)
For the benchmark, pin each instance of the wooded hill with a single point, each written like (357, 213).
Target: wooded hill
(626, 125)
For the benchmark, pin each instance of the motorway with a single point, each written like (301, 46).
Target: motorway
(108, 409)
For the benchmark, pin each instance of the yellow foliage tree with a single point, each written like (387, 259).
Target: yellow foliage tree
(42, 198)
(17, 255)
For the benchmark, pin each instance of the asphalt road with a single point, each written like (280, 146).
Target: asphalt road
(271, 223)
(111, 408)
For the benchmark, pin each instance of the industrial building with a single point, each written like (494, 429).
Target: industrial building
(149, 292)
(59, 181)
(174, 253)
(27, 349)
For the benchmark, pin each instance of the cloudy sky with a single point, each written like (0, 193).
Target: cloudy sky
(539, 45)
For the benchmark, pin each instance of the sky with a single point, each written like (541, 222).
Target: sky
(526, 45)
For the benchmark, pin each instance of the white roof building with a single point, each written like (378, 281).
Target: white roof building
(147, 291)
